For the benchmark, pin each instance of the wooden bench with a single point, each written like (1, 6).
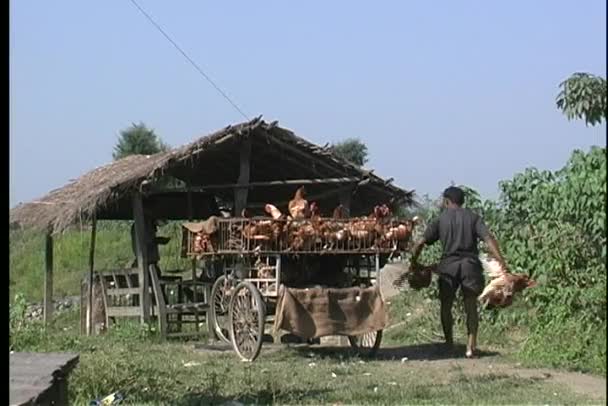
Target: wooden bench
(169, 305)
(40, 378)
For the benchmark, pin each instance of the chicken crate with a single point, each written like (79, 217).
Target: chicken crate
(314, 236)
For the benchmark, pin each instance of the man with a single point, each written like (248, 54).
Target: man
(459, 231)
(152, 242)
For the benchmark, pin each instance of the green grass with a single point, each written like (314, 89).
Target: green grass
(71, 257)
(134, 362)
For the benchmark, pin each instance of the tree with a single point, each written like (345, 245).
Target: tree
(138, 139)
(583, 96)
(352, 150)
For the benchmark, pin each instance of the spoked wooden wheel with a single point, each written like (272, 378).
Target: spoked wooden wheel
(218, 308)
(366, 344)
(247, 317)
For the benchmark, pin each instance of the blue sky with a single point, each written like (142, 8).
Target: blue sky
(440, 91)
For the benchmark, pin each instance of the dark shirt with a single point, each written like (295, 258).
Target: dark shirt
(459, 231)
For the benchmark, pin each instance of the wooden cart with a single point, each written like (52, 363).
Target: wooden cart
(262, 257)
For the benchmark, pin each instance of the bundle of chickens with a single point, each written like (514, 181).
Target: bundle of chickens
(420, 277)
(503, 285)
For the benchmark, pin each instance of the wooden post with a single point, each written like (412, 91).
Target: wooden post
(192, 263)
(240, 193)
(48, 279)
(142, 257)
(345, 200)
(91, 271)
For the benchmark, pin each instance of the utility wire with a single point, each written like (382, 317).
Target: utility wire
(198, 68)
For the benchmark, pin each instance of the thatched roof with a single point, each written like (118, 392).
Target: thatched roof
(276, 154)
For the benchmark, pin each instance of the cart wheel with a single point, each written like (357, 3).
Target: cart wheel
(218, 308)
(247, 316)
(366, 344)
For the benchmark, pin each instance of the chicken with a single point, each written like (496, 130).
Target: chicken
(298, 206)
(503, 285)
(273, 211)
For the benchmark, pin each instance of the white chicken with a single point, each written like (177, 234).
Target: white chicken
(503, 285)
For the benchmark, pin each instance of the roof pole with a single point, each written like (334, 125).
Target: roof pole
(91, 272)
(142, 257)
(241, 191)
(48, 278)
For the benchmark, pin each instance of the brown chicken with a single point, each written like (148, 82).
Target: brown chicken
(273, 211)
(503, 285)
(298, 206)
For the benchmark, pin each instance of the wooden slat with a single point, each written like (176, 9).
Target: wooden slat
(160, 302)
(39, 378)
(122, 291)
(123, 311)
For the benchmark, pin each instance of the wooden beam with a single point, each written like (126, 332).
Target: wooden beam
(272, 183)
(48, 278)
(142, 258)
(240, 194)
(91, 271)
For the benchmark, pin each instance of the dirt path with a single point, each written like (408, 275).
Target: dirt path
(432, 357)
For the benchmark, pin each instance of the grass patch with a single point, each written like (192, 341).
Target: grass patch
(133, 360)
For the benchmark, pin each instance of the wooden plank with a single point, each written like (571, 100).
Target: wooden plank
(123, 311)
(142, 257)
(240, 194)
(122, 291)
(48, 279)
(39, 378)
(91, 271)
(202, 189)
(160, 303)
(104, 293)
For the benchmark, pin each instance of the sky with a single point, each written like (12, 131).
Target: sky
(440, 91)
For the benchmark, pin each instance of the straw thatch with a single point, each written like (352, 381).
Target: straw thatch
(277, 154)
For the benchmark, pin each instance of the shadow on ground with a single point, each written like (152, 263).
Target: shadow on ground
(420, 352)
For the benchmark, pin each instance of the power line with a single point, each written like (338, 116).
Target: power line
(159, 28)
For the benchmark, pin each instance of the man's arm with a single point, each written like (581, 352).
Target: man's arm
(417, 250)
(495, 250)
(484, 233)
(431, 234)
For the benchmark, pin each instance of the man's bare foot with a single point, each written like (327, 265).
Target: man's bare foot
(471, 353)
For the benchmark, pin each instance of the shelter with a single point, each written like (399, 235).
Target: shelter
(240, 166)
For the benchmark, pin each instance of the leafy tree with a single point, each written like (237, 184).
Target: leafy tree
(352, 150)
(583, 96)
(138, 139)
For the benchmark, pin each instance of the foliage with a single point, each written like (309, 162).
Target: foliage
(138, 139)
(583, 96)
(352, 150)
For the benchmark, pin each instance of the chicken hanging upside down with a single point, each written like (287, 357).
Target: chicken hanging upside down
(503, 285)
